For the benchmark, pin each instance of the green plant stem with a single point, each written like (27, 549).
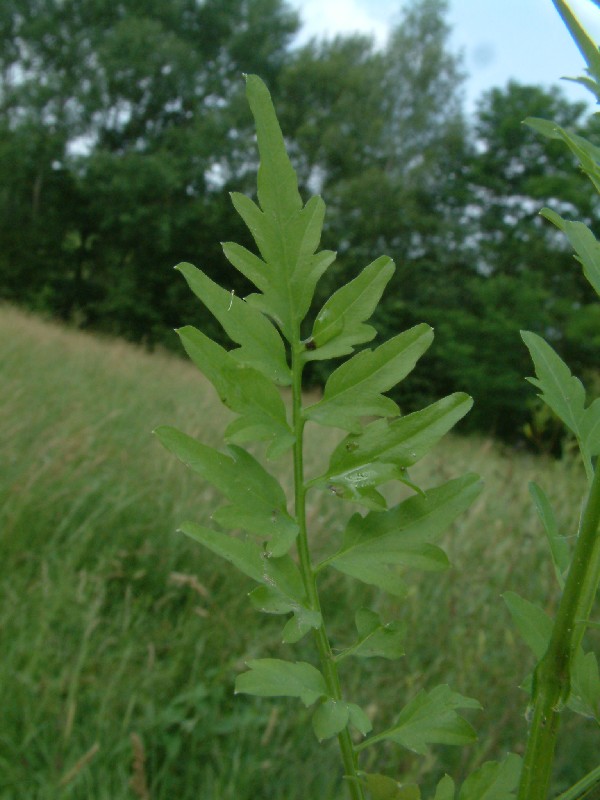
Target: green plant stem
(328, 665)
(552, 674)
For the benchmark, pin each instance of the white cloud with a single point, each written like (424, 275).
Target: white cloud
(330, 17)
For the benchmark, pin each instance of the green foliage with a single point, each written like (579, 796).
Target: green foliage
(565, 674)
(376, 548)
(103, 624)
(430, 718)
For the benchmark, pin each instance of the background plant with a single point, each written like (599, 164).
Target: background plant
(565, 674)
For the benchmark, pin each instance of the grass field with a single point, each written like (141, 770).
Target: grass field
(120, 639)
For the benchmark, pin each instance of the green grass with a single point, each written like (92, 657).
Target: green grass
(120, 639)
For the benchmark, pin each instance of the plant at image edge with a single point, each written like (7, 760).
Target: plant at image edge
(380, 445)
(565, 674)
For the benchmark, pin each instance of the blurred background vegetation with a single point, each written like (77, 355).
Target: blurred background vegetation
(123, 126)
(121, 639)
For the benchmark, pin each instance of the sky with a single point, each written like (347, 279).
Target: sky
(524, 40)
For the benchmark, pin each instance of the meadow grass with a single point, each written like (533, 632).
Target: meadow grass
(120, 639)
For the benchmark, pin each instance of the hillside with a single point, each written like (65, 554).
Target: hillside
(120, 639)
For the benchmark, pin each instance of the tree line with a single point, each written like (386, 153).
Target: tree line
(123, 128)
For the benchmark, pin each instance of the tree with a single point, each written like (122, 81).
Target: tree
(525, 276)
(137, 108)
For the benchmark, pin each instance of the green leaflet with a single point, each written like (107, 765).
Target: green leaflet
(560, 389)
(383, 450)
(587, 153)
(585, 686)
(354, 389)
(261, 346)
(286, 233)
(445, 789)
(565, 395)
(430, 718)
(534, 625)
(279, 577)
(357, 485)
(277, 183)
(283, 592)
(244, 390)
(378, 548)
(251, 266)
(246, 556)
(258, 501)
(492, 781)
(287, 248)
(381, 787)
(375, 638)
(535, 628)
(559, 546)
(583, 242)
(272, 677)
(339, 325)
(332, 716)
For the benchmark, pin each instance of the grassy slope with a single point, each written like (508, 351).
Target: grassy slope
(113, 625)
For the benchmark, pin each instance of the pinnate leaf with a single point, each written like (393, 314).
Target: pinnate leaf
(384, 450)
(249, 264)
(283, 592)
(258, 501)
(245, 555)
(375, 638)
(244, 390)
(559, 547)
(585, 686)
(303, 620)
(277, 181)
(587, 153)
(379, 547)
(445, 789)
(430, 718)
(272, 677)
(493, 781)
(287, 247)
(583, 242)
(339, 326)
(286, 233)
(401, 442)
(533, 624)
(261, 345)
(381, 787)
(330, 718)
(564, 394)
(535, 628)
(355, 388)
(561, 391)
